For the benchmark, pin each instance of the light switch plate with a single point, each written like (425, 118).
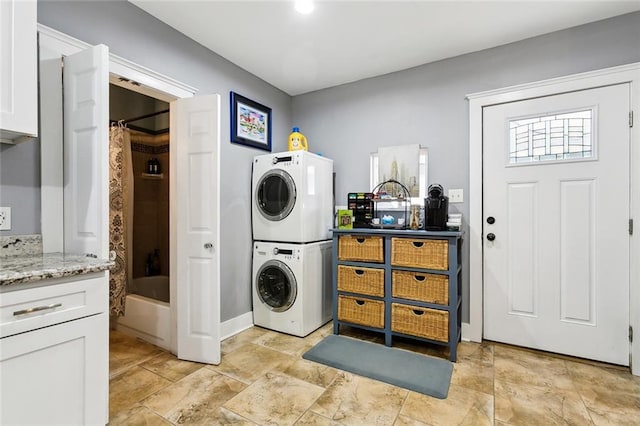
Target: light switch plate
(5, 218)
(456, 196)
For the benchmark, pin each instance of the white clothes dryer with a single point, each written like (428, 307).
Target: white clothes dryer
(292, 197)
(292, 286)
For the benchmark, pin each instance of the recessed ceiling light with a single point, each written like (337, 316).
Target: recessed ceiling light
(304, 6)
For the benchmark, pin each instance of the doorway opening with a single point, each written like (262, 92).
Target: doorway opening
(143, 154)
(198, 116)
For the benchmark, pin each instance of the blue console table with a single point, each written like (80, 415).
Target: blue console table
(400, 283)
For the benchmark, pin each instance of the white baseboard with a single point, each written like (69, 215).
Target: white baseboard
(236, 325)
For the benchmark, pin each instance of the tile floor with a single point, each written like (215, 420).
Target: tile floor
(263, 380)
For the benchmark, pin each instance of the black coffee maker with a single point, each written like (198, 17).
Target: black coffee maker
(436, 209)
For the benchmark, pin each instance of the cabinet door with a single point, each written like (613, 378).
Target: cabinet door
(57, 374)
(18, 77)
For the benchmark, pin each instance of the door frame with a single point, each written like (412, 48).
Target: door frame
(151, 84)
(472, 330)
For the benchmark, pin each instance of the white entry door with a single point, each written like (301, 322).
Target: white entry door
(195, 223)
(86, 152)
(556, 184)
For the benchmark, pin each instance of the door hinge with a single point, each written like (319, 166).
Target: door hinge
(630, 118)
(630, 334)
(630, 226)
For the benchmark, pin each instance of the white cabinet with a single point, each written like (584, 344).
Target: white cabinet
(18, 76)
(54, 361)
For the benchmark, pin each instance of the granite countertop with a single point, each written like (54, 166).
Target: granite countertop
(29, 268)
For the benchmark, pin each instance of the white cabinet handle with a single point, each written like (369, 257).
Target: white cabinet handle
(36, 309)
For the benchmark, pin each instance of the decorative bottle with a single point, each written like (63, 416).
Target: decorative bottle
(155, 263)
(414, 223)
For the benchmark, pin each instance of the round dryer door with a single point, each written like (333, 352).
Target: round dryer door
(276, 195)
(276, 286)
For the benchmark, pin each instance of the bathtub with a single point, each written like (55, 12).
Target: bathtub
(145, 316)
(155, 287)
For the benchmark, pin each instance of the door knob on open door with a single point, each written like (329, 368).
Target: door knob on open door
(208, 245)
(491, 236)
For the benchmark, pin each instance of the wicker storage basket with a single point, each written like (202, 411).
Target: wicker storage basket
(361, 280)
(420, 253)
(361, 311)
(364, 248)
(432, 288)
(423, 322)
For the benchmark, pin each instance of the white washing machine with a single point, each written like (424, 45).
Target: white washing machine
(292, 286)
(292, 197)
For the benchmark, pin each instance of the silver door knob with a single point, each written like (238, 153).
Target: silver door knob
(208, 245)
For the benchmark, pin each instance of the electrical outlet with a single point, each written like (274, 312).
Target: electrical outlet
(5, 218)
(456, 196)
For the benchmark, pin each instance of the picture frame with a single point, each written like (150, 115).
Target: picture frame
(250, 123)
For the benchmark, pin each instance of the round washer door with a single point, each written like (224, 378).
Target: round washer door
(276, 286)
(276, 195)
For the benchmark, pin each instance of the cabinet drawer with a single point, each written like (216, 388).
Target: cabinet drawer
(63, 300)
(419, 286)
(368, 281)
(361, 311)
(364, 248)
(422, 322)
(420, 253)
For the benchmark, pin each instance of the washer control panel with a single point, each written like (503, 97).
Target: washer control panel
(287, 254)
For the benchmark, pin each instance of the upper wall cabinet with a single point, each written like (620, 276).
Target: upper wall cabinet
(18, 77)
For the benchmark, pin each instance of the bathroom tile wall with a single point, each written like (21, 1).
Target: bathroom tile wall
(151, 211)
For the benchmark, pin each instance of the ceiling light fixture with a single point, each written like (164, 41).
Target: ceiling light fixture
(304, 6)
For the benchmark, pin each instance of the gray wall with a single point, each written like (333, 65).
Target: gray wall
(20, 186)
(427, 104)
(135, 35)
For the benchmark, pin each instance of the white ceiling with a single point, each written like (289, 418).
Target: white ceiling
(344, 41)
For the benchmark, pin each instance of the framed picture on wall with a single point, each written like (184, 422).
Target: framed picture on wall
(250, 123)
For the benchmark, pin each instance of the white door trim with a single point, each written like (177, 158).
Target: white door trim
(67, 45)
(477, 101)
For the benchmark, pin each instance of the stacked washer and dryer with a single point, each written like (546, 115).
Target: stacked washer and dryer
(292, 214)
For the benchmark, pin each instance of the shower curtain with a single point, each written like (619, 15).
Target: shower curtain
(120, 215)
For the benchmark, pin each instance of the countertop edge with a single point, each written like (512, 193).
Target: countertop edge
(36, 268)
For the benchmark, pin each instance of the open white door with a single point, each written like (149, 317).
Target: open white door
(86, 152)
(195, 225)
